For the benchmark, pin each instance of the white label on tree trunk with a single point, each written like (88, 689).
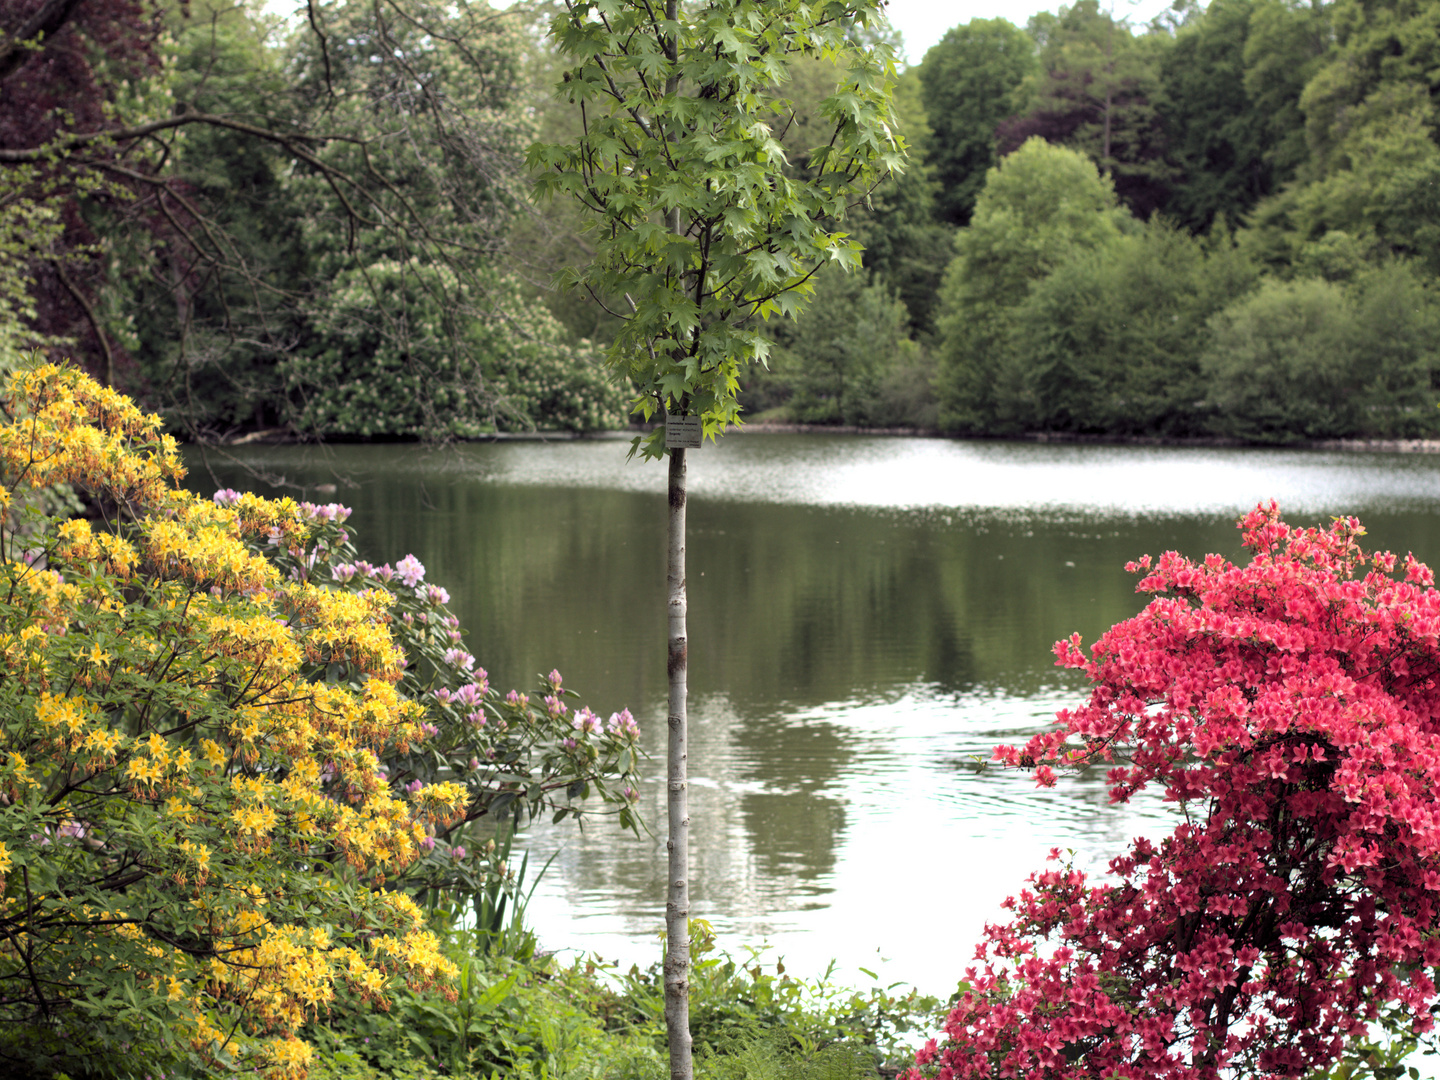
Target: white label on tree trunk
(683, 432)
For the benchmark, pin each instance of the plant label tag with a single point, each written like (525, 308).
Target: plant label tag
(683, 432)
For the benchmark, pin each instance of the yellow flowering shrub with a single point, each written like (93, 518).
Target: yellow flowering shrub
(218, 741)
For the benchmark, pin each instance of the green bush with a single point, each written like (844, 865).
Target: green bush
(400, 348)
(848, 359)
(1314, 359)
(1111, 340)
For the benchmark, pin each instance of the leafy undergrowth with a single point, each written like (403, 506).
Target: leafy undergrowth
(535, 1018)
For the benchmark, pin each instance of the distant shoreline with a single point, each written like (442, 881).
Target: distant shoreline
(278, 437)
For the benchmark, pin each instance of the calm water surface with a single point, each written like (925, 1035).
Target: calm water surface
(868, 616)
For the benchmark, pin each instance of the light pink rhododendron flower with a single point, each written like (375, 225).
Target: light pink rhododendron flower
(410, 570)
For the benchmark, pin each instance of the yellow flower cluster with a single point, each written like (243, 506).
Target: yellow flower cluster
(163, 659)
(69, 430)
(344, 627)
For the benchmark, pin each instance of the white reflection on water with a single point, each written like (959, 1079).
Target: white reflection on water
(916, 823)
(937, 473)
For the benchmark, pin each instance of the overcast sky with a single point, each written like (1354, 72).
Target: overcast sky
(924, 22)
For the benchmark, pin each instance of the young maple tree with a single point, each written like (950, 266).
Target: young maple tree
(701, 228)
(1291, 708)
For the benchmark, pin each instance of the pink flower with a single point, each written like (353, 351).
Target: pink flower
(586, 722)
(1298, 688)
(469, 695)
(623, 726)
(459, 658)
(227, 497)
(410, 570)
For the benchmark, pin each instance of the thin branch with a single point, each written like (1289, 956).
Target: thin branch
(90, 316)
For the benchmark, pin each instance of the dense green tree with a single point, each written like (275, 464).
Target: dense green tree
(1097, 91)
(1111, 341)
(906, 245)
(1378, 43)
(255, 187)
(1215, 137)
(1380, 190)
(27, 229)
(72, 75)
(216, 295)
(1040, 207)
(1284, 46)
(835, 358)
(1383, 181)
(969, 82)
(1320, 359)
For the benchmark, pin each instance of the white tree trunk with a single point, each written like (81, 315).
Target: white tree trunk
(677, 893)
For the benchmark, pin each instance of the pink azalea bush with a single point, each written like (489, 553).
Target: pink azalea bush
(1291, 708)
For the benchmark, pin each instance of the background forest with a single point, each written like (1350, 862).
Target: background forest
(1222, 223)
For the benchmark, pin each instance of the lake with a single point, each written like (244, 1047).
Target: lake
(869, 616)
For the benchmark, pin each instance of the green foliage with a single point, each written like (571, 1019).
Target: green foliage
(969, 82)
(398, 349)
(906, 246)
(762, 1059)
(364, 289)
(426, 333)
(1216, 137)
(1284, 46)
(1097, 90)
(834, 358)
(1319, 359)
(215, 296)
(27, 229)
(1040, 207)
(1383, 184)
(699, 222)
(1111, 341)
(586, 1021)
(1377, 44)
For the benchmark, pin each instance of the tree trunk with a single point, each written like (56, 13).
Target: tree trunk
(677, 888)
(677, 893)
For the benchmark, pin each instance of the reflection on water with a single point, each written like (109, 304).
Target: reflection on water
(868, 617)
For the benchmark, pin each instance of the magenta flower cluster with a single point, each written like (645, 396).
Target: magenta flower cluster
(1291, 708)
